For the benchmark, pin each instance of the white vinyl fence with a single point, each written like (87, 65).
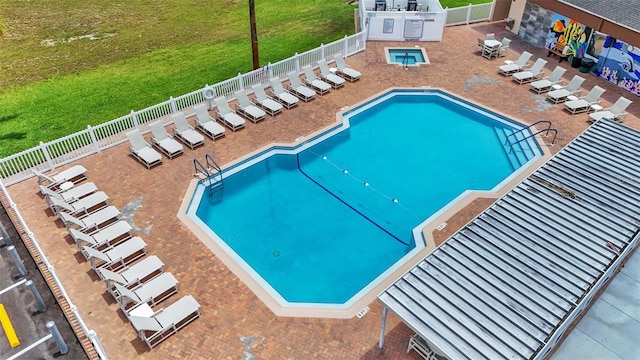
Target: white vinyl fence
(469, 14)
(56, 153)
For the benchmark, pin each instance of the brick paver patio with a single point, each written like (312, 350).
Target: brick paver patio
(234, 324)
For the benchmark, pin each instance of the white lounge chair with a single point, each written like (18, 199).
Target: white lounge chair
(572, 88)
(117, 257)
(91, 222)
(207, 124)
(74, 174)
(584, 104)
(546, 84)
(534, 73)
(161, 139)
(69, 196)
(518, 65)
(281, 95)
(86, 205)
(326, 74)
(153, 328)
(106, 237)
(245, 108)
(130, 276)
(310, 79)
(616, 112)
(298, 89)
(266, 102)
(141, 150)
(151, 292)
(185, 132)
(226, 115)
(346, 71)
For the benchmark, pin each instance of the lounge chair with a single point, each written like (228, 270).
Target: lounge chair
(74, 175)
(69, 196)
(206, 123)
(107, 237)
(152, 292)
(572, 88)
(91, 222)
(281, 95)
(310, 79)
(584, 104)
(345, 71)
(298, 89)
(161, 139)
(326, 75)
(518, 65)
(185, 132)
(130, 276)
(616, 112)
(86, 205)
(141, 150)
(245, 108)
(117, 257)
(534, 73)
(153, 328)
(546, 84)
(226, 115)
(265, 102)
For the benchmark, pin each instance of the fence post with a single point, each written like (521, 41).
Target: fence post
(134, 119)
(269, 71)
(95, 340)
(240, 82)
(96, 146)
(322, 51)
(493, 7)
(345, 48)
(47, 157)
(296, 58)
(468, 14)
(172, 101)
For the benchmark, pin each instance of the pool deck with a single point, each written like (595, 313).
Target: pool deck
(234, 323)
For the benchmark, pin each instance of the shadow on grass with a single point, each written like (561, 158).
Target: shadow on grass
(13, 135)
(8, 117)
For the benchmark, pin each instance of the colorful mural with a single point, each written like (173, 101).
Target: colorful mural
(570, 33)
(619, 63)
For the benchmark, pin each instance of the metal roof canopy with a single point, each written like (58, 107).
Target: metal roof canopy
(511, 281)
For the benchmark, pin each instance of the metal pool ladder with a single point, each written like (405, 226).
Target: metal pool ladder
(211, 173)
(545, 130)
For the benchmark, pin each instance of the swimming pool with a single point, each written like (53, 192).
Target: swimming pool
(406, 56)
(321, 223)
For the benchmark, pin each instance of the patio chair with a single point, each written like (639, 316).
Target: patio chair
(109, 236)
(185, 132)
(130, 276)
(142, 151)
(152, 292)
(491, 36)
(265, 102)
(245, 108)
(298, 89)
(206, 123)
(518, 65)
(91, 222)
(117, 257)
(480, 45)
(69, 196)
(321, 87)
(584, 104)
(347, 72)
(326, 75)
(572, 88)
(281, 95)
(534, 73)
(73, 175)
(546, 84)
(154, 327)
(224, 113)
(504, 45)
(616, 112)
(86, 205)
(161, 139)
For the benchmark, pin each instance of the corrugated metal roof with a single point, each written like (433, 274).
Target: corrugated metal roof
(502, 285)
(621, 12)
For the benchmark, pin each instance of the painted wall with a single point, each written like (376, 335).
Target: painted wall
(569, 33)
(619, 63)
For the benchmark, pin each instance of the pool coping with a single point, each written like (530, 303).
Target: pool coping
(415, 47)
(424, 230)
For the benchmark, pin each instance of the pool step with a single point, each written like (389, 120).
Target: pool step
(518, 152)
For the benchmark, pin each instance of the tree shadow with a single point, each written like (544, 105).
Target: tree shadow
(13, 136)
(8, 117)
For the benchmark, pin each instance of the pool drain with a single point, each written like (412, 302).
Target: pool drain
(276, 253)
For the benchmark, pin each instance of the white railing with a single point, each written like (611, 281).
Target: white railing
(91, 335)
(56, 153)
(469, 14)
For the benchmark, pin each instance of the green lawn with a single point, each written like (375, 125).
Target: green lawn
(145, 52)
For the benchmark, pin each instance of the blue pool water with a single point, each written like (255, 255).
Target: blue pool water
(413, 56)
(322, 222)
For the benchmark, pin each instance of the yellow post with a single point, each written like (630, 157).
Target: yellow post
(8, 328)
